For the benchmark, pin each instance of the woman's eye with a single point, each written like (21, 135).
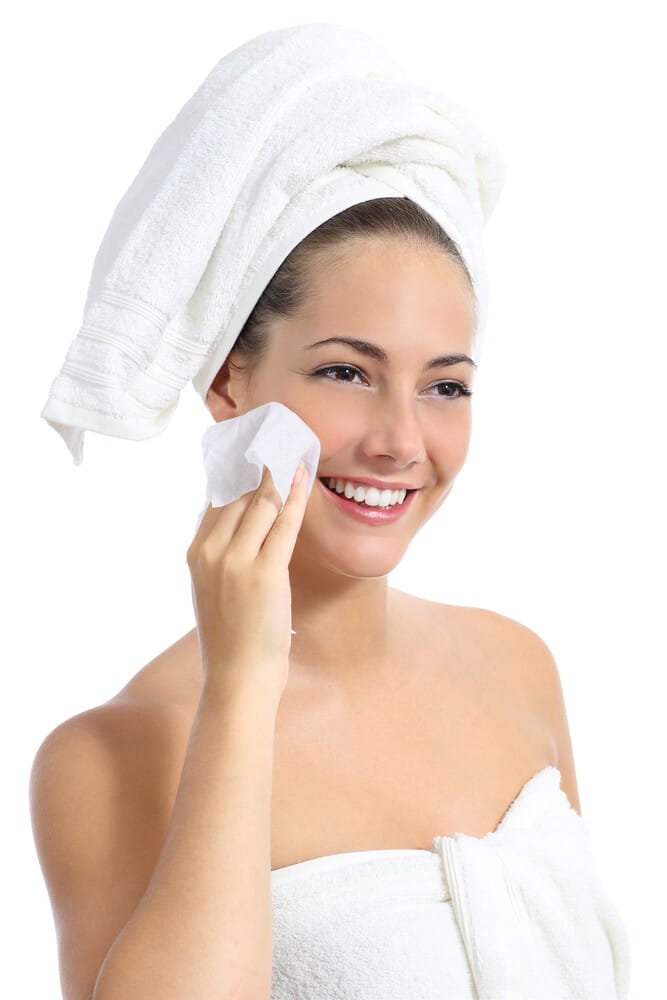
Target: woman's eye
(453, 389)
(337, 368)
(459, 389)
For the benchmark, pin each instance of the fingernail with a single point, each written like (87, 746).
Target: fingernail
(300, 472)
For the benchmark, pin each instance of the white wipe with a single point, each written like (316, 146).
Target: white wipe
(235, 452)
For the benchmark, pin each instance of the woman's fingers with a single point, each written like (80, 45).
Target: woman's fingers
(263, 518)
(279, 546)
(239, 565)
(219, 524)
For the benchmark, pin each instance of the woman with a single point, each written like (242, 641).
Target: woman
(173, 821)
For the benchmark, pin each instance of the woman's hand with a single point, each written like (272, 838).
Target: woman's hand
(238, 563)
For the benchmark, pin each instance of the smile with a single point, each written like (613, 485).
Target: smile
(370, 496)
(365, 513)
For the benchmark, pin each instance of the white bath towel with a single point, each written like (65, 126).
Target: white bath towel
(286, 131)
(520, 914)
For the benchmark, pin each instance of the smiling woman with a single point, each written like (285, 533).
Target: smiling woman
(385, 803)
(393, 421)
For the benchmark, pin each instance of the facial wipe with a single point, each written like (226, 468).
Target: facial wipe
(235, 452)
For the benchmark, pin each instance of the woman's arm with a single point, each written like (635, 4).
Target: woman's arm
(196, 922)
(201, 926)
(552, 704)
(538, 683)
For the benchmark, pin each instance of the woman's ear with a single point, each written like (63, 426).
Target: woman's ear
(224, 398)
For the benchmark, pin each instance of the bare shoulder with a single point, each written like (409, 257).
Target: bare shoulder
(517, 655)
(492, 629)
(101, 791)
(127, 749)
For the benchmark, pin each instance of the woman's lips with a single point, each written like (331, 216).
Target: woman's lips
(369, 515)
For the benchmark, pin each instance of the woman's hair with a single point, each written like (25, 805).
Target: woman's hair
(399, 218)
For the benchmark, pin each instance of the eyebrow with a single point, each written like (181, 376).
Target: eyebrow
(379, 354)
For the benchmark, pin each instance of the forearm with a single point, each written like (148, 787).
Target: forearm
(203, 926)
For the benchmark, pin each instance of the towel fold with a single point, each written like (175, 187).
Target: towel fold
(519, 914)
(536, 919)
(286, 131)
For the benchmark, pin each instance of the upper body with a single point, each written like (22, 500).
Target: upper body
(443, 749)
(401, 718)
(480, 707)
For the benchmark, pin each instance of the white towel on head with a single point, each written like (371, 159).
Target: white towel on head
(286, 131)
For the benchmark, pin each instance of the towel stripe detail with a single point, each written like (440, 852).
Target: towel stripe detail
(150, 313)
(78, 371)
(107, 337)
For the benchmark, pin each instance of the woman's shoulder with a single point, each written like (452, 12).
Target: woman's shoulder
(503, 646)
(125, 743)
(520, 661)
(497, 631)
(505, 641)
(102, 787)
(137, 737)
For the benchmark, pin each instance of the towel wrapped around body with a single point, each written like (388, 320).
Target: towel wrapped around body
(520, 914)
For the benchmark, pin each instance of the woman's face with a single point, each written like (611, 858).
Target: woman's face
(396, 420)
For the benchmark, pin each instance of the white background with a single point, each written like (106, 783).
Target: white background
(556, 520)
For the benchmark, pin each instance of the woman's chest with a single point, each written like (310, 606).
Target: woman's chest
(394, 770)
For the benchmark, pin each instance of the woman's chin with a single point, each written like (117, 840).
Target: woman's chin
(361, 558)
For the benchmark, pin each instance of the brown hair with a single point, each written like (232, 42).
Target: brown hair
(379, 217)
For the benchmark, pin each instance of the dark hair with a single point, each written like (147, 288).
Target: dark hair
(379, 217)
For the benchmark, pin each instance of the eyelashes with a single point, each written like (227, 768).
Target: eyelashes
(461, 388)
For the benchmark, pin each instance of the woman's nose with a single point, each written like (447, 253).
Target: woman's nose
(395, 431)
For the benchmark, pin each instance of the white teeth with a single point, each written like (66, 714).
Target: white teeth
(369, 495)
